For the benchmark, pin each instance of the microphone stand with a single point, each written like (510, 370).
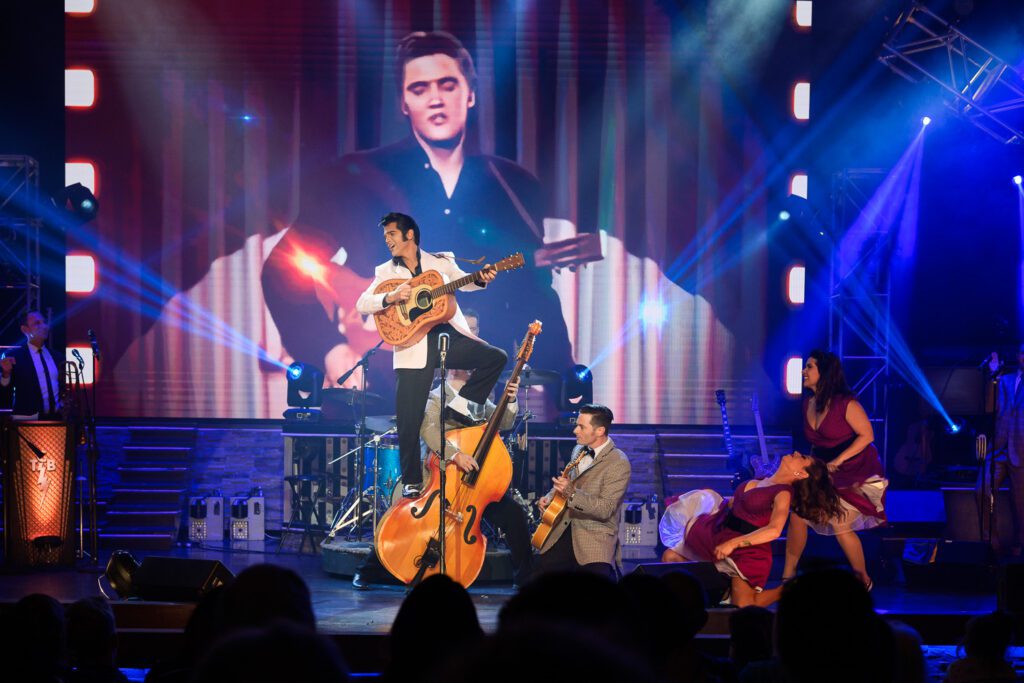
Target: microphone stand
(442, 349)
(363, 363)
(92, 452)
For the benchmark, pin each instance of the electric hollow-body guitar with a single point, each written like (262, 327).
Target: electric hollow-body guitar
(556, 509)
(431, 303)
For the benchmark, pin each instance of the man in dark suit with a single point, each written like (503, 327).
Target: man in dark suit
(30, 376)
(1008, 454)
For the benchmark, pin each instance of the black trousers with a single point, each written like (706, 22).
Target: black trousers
(990, 479)
(562, 558)
(413, 387)
(507, 515)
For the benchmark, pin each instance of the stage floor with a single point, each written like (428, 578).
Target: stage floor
(344, 610)
(358, 620)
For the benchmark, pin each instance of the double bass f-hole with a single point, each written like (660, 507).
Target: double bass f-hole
(467, 531)
(417, 514)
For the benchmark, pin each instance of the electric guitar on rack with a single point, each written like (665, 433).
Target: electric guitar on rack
(735, 460)
(764, 465)
(431, 303)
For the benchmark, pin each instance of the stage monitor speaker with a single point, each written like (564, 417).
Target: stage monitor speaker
(711, 580)
(962, 566)
(1010, 592)
(638, 528)
(175, 579)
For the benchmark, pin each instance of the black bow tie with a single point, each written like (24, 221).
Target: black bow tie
(587, 450)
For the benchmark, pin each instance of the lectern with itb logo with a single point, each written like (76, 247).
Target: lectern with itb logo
(39, 476)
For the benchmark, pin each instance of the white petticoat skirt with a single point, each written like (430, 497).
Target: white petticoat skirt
(679, 518)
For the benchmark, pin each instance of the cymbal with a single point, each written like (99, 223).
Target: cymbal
(348, 395)
(534, 377)
(380, 423)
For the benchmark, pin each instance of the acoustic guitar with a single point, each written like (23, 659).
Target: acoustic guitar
(555, 510)
(431, 303)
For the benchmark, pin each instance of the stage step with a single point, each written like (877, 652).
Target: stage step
(141, 518)
(152, 473)
(162, 436)
(146, 496)
(125, 540)
(696, 462)
(147, 504)
(146, 453)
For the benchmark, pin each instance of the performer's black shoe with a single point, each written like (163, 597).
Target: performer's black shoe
(412, 490)
(452, 415)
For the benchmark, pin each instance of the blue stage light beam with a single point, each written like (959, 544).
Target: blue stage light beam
(132, 285)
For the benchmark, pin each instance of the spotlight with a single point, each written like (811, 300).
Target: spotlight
(120, 572)
(784, 215)
(305, 384)
(955, 426)
(80, 203)
(925, 120)
(248, 118)
(1017, 180)
(652, 312)
(577, 388)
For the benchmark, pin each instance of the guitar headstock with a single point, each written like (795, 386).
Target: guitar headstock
(512, 262)
(720, 397)
(526, 348)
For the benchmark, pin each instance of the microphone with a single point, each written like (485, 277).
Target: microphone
(78, 357)
(94, 345)
(442, 343)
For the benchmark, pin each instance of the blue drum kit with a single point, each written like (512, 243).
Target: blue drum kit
(381, 476)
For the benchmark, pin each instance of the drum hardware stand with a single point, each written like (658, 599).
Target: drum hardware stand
(363, 363)
(517, 439)
(341, 519)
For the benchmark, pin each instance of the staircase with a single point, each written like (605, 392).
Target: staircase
(147, 504)
(695, 458)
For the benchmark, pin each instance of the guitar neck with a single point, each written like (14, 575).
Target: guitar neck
(726, 432)
(499, 411)
(454, 285)
(762, 444)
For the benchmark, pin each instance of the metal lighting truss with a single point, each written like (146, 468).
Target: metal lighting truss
(860, 298)
(19, 241)
(983, 88)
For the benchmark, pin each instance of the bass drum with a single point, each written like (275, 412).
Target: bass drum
(396, 492)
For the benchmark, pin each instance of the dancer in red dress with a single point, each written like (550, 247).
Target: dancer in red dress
(736, 535)
(841, 436)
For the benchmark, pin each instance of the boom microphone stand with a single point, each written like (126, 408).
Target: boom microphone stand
(92, 449)
(363, 363)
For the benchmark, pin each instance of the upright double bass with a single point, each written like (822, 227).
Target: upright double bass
(407, 538)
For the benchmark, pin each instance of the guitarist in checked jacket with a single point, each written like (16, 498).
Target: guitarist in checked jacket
(414, 365)
(587, 537)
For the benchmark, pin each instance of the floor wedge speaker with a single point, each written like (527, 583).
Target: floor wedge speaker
(176, 579)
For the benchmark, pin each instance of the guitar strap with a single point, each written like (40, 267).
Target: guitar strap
(514, 198)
